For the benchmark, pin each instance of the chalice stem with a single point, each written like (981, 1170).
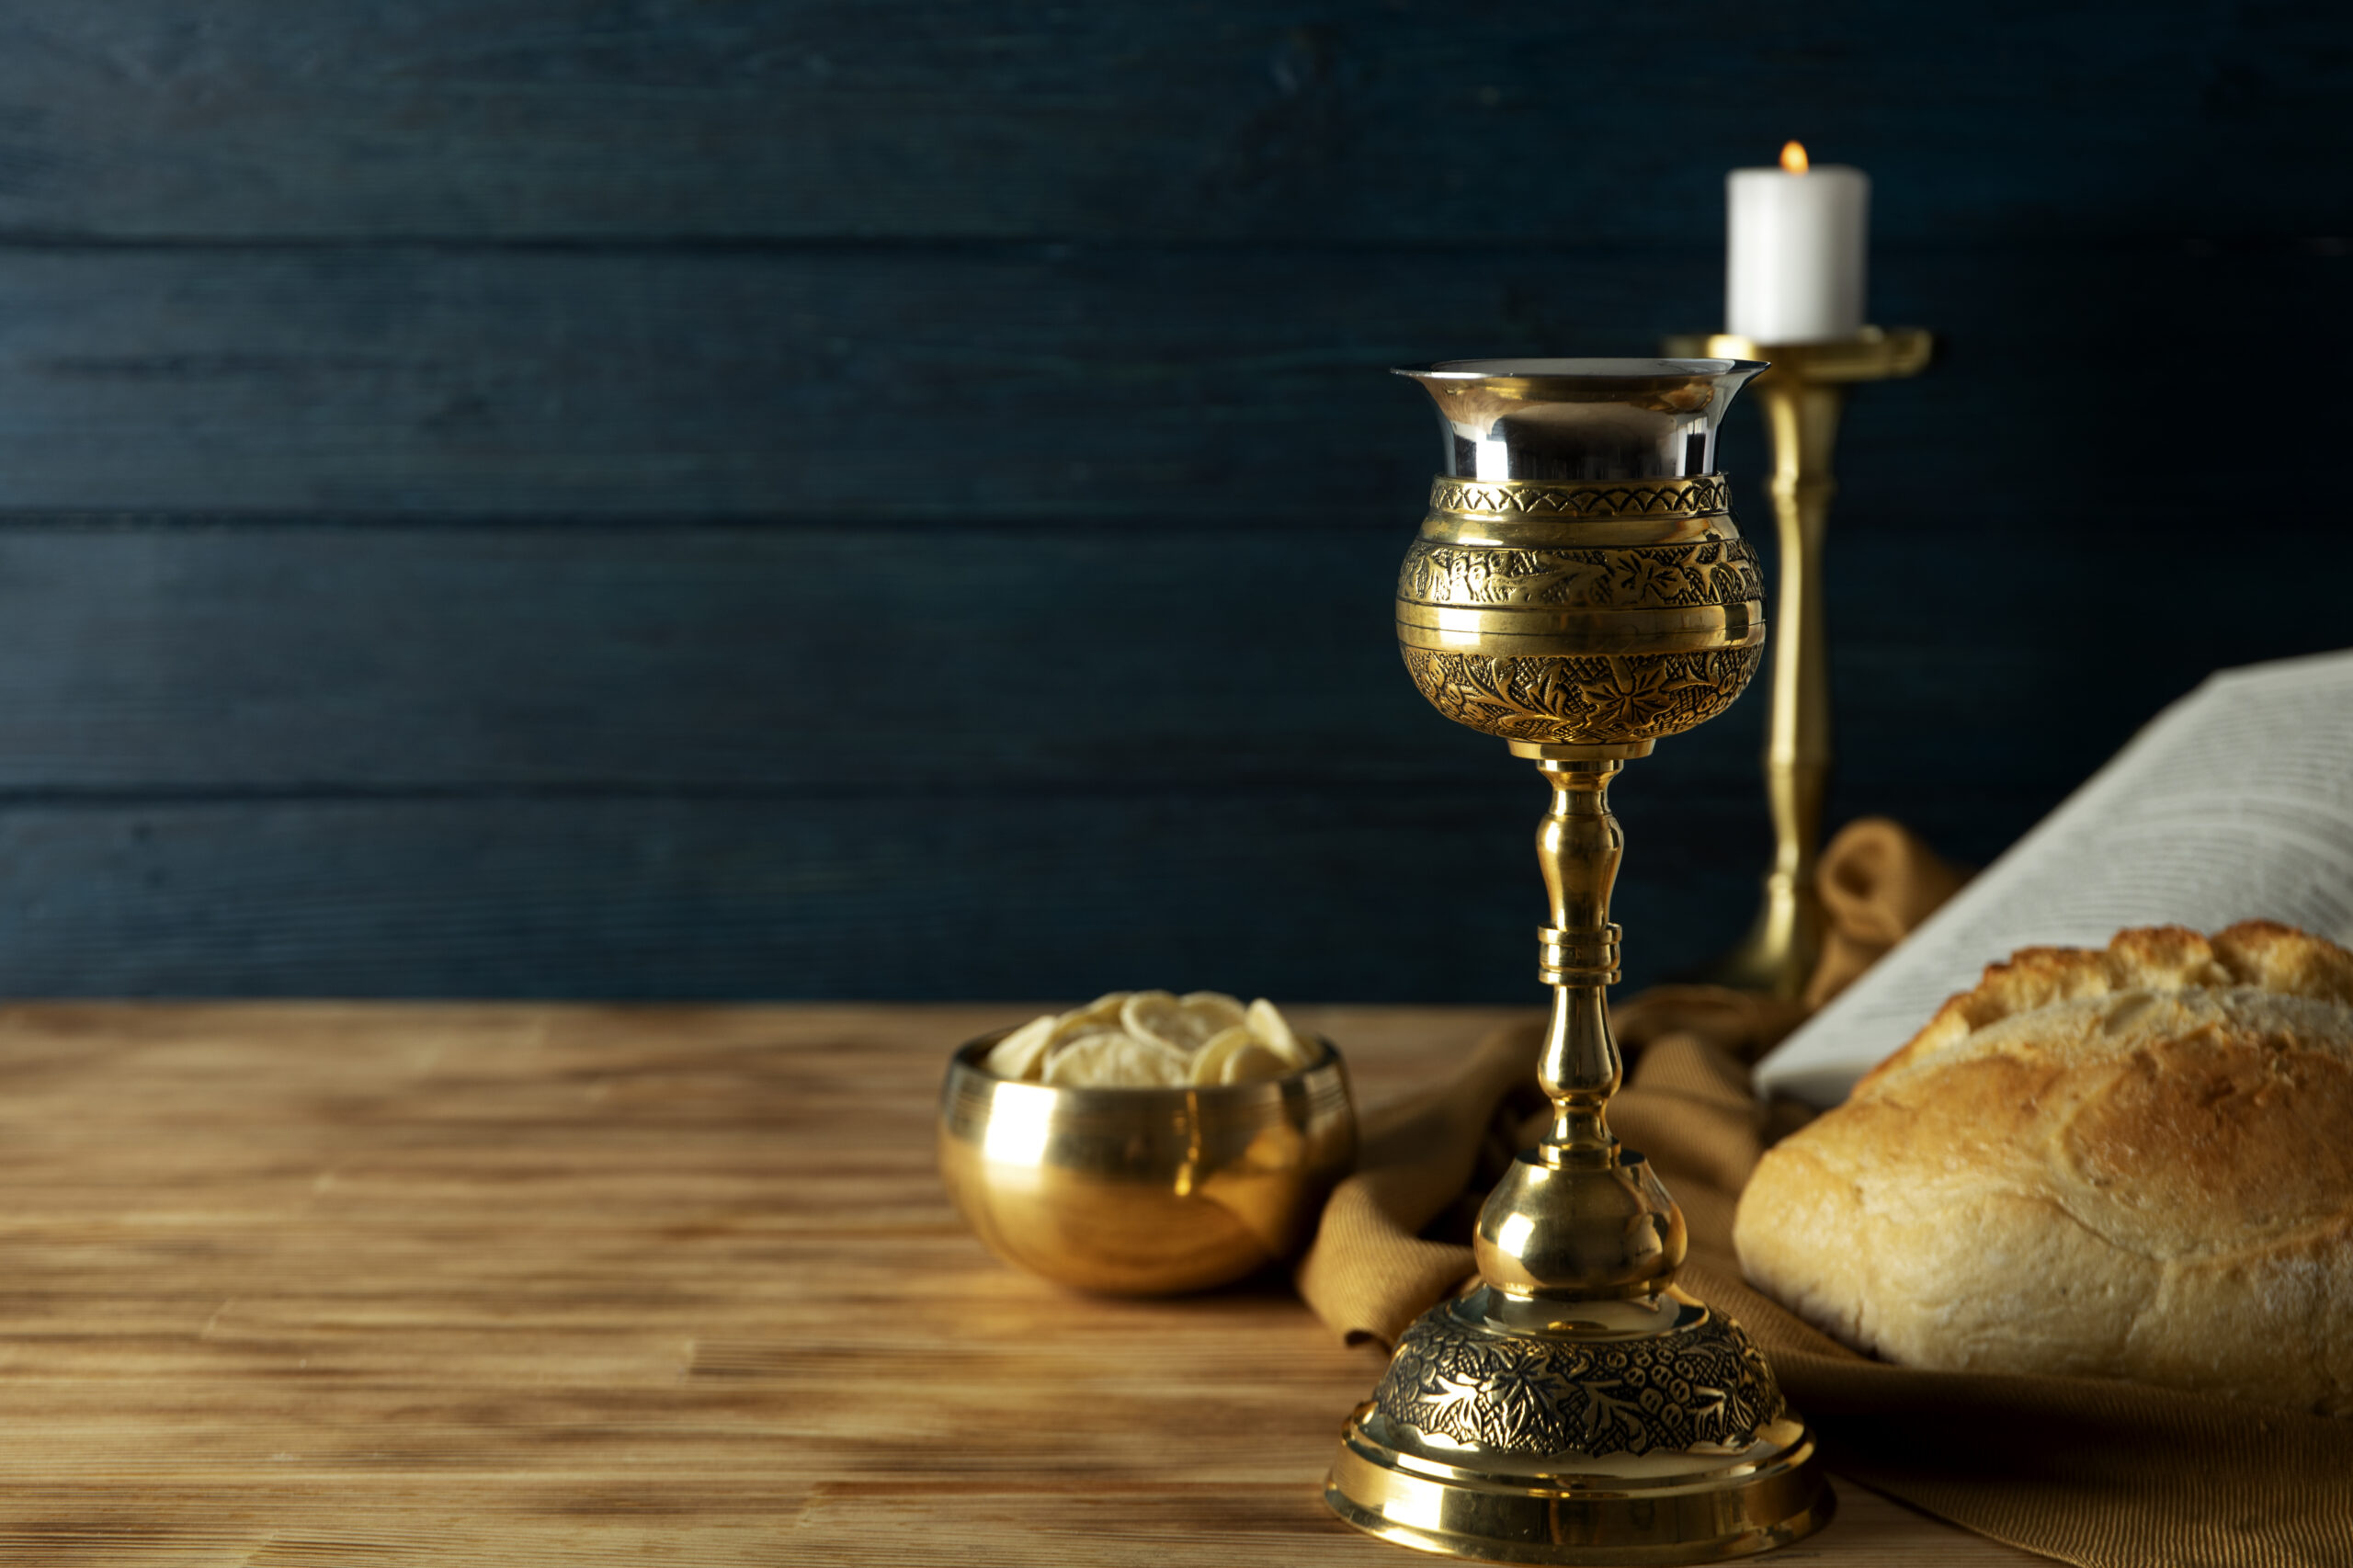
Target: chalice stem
(1579, 846)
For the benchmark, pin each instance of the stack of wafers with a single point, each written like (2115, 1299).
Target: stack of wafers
(1151, 1039)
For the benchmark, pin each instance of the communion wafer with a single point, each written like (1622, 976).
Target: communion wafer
(1022, 1053)
(1237, 1056)
(1108, 1061)
(1273, 1032)
(1172, 1034)
(1182, 1023)
(1226, 1010)
(1103, 1013)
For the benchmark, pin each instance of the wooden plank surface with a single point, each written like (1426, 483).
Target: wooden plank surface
(257, 657)
(1113, 386)
(503, 759)
(611, 473)
(303, 1285)
(1184, 122)
(254, 654)
(719, 897)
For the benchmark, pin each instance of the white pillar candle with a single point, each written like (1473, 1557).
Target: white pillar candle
(1793, 266)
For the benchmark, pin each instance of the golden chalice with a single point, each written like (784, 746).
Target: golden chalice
(1579, 589)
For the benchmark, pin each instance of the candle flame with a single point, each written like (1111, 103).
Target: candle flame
(1793, 157)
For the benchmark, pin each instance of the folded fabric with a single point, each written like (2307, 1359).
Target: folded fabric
(2102, 1474)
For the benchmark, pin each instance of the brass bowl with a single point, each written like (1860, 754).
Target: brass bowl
(1145, 1192)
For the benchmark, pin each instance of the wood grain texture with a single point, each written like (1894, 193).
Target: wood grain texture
(1106, 387)
(1382, 894)
(254, 656)
(1191, 123)
(500, 760)
(307, 1285)
(248, 656)
(612, 478)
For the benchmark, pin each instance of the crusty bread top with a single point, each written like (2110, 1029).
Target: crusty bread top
(2181, 1094)
(2260, 954)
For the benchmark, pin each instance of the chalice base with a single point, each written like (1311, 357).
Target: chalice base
(1681, 1507)
(1452, 1453)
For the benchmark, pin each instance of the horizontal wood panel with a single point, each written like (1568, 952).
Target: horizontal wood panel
(425, 760)
(1049, 382)
(1223, 120)
(273, 658)
(159, 660)
(1339, 892)
(878, 467)
(1402, 892)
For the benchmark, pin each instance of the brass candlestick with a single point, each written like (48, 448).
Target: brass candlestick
(1579, 589)
(1804, 393)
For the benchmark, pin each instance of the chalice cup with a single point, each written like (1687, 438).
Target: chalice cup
(1579, 589)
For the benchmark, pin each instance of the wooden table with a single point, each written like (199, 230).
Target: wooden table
(291, 1286)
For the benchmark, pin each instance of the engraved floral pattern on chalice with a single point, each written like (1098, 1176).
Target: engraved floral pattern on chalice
(1651, 577)
(1707, 1383)
(1711, 571)
(1442, 574)
(1560, 698)
(1636, 696)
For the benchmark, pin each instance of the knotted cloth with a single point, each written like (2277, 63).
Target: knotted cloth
(2102, 1474)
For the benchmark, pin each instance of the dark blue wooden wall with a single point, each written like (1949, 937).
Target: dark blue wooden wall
(678, 498)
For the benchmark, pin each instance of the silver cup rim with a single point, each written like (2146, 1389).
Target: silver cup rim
(1537, 368)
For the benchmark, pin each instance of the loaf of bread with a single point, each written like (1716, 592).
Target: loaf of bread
(2135, 1162)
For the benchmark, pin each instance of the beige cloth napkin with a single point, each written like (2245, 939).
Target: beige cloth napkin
(2102, 1474)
